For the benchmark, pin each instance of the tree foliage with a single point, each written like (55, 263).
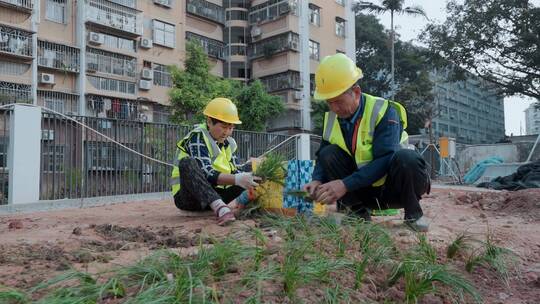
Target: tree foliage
(413, 67)
(195, 86)
(498, 40)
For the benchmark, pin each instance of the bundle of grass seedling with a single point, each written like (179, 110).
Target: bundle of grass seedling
(269, 193)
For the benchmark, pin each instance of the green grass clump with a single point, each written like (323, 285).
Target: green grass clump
(272, 168)
(12, 296)
(460, 244)
(504, 261)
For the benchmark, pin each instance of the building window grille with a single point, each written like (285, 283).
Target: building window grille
(110, 63)
(314, 50)
(340, 27)
(162, 76)
(282, 81)
(271, 10)
(15, 93)
(109, 107)
(314, 15)
(55, 10)
(61, 102)
(15, 41)
(206, 10)
(274, 45)
(113, 85)
(212, 47)
(58, 56)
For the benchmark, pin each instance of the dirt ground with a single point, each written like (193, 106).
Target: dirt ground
(38, 246)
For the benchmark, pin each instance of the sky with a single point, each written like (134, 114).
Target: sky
(409, 27)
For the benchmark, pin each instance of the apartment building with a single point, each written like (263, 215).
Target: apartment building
(532, 119)
(469, 111)
(109, 58)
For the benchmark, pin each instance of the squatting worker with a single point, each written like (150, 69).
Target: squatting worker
(207, 174)
(361, 163)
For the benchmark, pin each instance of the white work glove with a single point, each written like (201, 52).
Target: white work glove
(246, 180)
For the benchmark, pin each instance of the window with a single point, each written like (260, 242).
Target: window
(53, 158)
(313, 50)
(55, 10)
(212, 47)
(164, 34)
(340, 27)
(55, 105)
(162, 77)
(314, 15)
(114, 85)
(271, 10)
(281, 81)
(110, 63)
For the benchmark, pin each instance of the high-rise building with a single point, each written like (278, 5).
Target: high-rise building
(468, 110)
(109, 58)
(532, 119)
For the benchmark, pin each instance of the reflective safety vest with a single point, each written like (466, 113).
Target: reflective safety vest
(221, 157)
(374, 110)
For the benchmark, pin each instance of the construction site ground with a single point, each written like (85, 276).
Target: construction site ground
(37, 246)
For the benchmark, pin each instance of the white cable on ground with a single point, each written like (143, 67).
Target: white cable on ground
(87, 127)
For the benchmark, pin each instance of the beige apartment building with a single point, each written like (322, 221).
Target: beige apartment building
(109, 58)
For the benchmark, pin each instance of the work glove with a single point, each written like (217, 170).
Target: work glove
(246, 180)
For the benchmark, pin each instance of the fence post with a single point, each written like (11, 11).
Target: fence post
(303, 147)
(24, 155)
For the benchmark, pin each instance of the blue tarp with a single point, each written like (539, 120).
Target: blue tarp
(478, 170)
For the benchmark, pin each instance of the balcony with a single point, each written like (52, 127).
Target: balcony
(111, 15)
(271, 10)
(206, 10)
(213, 48)
(273, 45)
(119, 108)
(15, 93)
(22, 5)
(15, 42)
(282, 81)
(110, 63)
(58, 56)
(61, 102)
(236, 49)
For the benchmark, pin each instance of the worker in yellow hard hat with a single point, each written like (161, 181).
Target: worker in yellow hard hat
(362, 163)
(207, 174)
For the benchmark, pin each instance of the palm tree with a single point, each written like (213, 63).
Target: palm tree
(394, 7)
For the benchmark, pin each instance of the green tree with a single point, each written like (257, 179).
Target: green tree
(394, 7)
(413, 83)
(256, 106)
(195, 86)
(497, 40)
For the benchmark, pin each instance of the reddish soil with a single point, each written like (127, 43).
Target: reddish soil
(38, 246)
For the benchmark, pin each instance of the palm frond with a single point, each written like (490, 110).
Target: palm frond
(415, 10)
(369, 7)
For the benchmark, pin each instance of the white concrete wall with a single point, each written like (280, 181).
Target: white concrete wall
(473, 154)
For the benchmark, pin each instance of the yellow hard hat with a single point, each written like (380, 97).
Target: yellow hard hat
(335, 75)
(222, 109)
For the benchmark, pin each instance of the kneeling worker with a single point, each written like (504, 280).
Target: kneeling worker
(361, 163)
(207, 175)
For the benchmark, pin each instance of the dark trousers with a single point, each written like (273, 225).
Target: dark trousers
(407, 179)
(196, 193)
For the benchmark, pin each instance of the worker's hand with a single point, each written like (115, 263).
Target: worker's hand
(330, 192)
(246, 180)
(311, 188)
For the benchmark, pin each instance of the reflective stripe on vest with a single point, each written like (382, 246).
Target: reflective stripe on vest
(374, 109)
(221, 158)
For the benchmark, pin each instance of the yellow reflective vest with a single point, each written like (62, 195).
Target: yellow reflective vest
(374, 110)
(221, 157)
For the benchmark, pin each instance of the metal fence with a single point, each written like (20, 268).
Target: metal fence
(77, 162)
(5, 117)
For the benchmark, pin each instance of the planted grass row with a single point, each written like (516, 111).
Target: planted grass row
(310, 254)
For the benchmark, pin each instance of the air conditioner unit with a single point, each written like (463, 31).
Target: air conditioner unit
(96, 38)
(166, 3)
(298, 95)
(146, 43)
(46, 78)
(294, 45)
(143, 117)
(147, 73)
(145, 84)
(256, 31)
(47, 134)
